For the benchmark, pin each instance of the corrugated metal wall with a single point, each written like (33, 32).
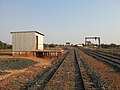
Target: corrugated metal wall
(26, 41)
(23, 41)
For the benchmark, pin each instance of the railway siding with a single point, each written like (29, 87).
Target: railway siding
(92, 80)
(113, 63)
(110, 78)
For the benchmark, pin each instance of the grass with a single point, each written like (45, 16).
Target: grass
(15, 63)
(5, 50)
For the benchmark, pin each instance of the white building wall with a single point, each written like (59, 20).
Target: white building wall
(40, 41)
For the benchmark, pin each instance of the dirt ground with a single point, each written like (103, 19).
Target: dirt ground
(111, 77)
(14, 79)
(17, 78)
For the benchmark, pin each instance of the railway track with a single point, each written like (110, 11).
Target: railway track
(43, 78)
(114, 56)
(115, 53)
(113, 61)
(65, 74)
(107, 57)
(68, 76)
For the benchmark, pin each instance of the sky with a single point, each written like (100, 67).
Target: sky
(62, 20)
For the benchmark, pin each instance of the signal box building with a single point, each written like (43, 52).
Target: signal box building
(25, 43)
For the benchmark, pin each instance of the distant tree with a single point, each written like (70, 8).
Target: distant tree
(1, 44)
(112, 45)
(118, 46)
(52, 45)
(46, 45)
(9, 46)
(104, 46)
(49, 45)
(5, 45)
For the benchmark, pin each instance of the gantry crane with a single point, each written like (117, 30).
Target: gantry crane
(93, 38)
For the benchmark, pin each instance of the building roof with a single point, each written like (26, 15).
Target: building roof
(27, 32)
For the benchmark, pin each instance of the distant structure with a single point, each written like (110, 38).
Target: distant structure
(67, 43)
(89, 42)
(26, 42)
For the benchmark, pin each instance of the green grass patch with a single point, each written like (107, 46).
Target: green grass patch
(15, 63)
(5, 50)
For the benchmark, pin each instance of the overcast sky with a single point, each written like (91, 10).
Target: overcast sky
(62, 20)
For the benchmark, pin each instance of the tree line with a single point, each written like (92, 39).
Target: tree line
(112, 45)
(5, 45)
(8, 46)
(50, 45)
